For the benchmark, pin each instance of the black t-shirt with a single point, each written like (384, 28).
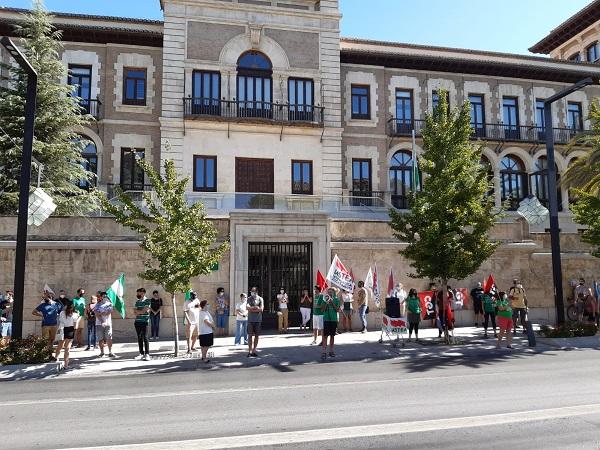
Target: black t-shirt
(155, 304)
(64, 301)
(477, 294)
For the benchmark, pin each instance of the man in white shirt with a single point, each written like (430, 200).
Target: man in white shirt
(103, 312)
(241, 322)
(191, 311)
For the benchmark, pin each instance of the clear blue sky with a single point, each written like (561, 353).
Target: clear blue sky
(505, 25)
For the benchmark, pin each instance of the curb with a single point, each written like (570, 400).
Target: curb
(28, 371)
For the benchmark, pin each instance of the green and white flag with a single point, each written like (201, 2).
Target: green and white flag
(115, 294)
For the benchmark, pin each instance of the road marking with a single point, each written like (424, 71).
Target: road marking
(109, 398)
(363, 431)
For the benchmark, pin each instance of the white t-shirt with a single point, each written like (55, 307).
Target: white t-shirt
(67, 321)
(103, 319)
(204, 328)
(242, 307)
(280, 298)
(192, 311)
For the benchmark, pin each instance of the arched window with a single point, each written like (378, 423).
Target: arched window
(254, 85)
(401, 178)
(539, 183)
(513, 181)
(90, 161)
(484, 162)
(593, 52)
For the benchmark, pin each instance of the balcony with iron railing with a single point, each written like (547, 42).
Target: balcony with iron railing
(489, 131)
(91, 107)
(133, 190)
(253, 111)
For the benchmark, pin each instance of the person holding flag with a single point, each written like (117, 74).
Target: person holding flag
(103, 312)
(329, 304)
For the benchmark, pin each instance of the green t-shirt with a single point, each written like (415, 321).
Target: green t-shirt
(79, 305)
(413, 305)
(316, 306)
(139, 306)
(507, 311)
(489, 306)
(331, 311)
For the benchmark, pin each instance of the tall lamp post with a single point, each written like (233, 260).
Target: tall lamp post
(21, 250)
(553, 198)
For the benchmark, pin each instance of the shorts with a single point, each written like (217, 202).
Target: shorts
(221, 320)
(478, 307)
(49, 330)
(103, 332)
(329, 328)
(191, 330)
(317, 322)
(414, 317)
(254, 328)
(207, 340)
(6, 329)
(504, 323)
(79, 325)
(69, 333)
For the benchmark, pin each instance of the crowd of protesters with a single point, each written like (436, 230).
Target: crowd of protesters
(328, 312)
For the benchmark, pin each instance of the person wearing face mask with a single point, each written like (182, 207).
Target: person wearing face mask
(141, 310)
(191, 311)
(6, 315)
(63, 299)
(79, 304)
(256, 306)
(305, 307)
(48, 310)
(156, 305)
(518, 303)
(222, 302)
(103, 310)
(90, 316)
(282, 300)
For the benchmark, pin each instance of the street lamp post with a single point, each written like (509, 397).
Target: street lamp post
(553, 198)
(21, 249)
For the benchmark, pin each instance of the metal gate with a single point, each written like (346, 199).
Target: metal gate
(273, 265)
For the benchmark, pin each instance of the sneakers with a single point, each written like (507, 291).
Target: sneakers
(139, 357)
(331, 354)
(313, 342)
(101, 355)
(254, 354)
(146, 358)
(112, 355)
(87, 349)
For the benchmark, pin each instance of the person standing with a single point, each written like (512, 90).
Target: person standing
(207, 327)
(477, 297)
(191, 311)
(347, 311)
(103, 312)
(63, 299)
(222, 302)
(489, 312)
(305, 307)
(241, 320)
(67, 320)
(518, 303)
(156, 304)
(282, 301)
(256, 306)
(330, 306)
(399, 293)
(48, 310)
(6, 316)
(505, 320)
(79, 305)
(590, 307)
(361, 299)
(141, 311)
(90, 316)
(317, 320)
(413, 308)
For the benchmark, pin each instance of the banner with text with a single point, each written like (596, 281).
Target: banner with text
(339, 276)
(427, 305)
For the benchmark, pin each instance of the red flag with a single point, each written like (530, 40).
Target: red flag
(351, 274)
(461, 300)
(376, 290)
(321, 281)
(390, 283)
(427, 305)
(489, 285)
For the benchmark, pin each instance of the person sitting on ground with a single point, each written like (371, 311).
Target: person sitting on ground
(67, 320)
(489, 312)
(413, 308)
(330, 306)
(505, 319)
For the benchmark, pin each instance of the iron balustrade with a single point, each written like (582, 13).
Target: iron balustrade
(367, 198)
(91, 107)
(134, 190)
(491, 131)
(240, 109)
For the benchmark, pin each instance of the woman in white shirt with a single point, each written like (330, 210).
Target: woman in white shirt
(67, 320)
(207, 327)
(191, 312)
(282, 299)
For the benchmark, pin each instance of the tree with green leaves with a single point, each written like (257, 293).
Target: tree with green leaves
(56, 146)
(180, 241)
(449, 219)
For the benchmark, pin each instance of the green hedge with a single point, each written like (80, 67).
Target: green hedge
(31, 350)
(571, 329)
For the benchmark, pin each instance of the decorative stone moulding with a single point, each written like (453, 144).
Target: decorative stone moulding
(255, 34)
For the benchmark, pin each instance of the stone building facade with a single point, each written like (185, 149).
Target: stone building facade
(297, 141)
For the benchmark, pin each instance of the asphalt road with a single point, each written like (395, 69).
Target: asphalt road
(485, 399)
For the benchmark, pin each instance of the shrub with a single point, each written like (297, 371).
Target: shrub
(31, 350)
(571, 329)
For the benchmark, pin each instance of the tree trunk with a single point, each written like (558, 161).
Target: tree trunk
(175, 324)
(444, 303)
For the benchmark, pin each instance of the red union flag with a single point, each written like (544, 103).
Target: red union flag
(461, 298)
(490, 285)
(339, 276)
(321, 281)
(427, 305)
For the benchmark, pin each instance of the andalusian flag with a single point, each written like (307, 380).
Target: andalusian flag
(115, 294)
(416, 179)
